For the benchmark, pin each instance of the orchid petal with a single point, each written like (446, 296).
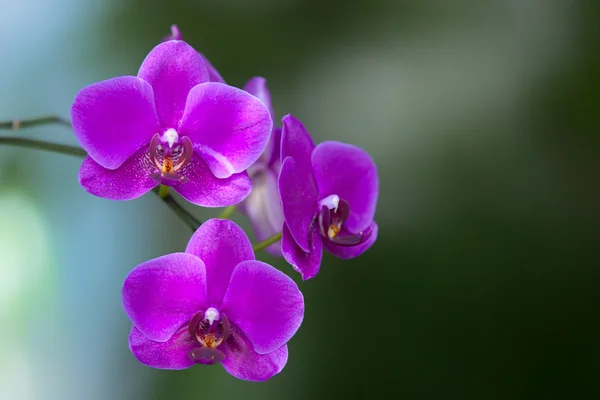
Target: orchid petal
(298, 199)
(350, 173)
(202, 188)
(306, 263)
(173, 68)
(221, 245)
(229, 127)
(127, 182)
(162, 294)
(171, 354)
(113, 119)
(265, 304)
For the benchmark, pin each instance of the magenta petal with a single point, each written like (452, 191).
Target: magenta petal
(299, 199)
(349, 172)
(222, 245)
(173, 68)
(263, 208)
(161, 295)
(306, 263)
(203, 189)
(172, 354)
(129, 181)
(265, 304)
(347, 252)
(229, 127)
(113, 119)
(296, 142)
(244, 363)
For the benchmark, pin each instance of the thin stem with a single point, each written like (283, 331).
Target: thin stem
(163, 191)
(44, 146)
(267, 242)
(187, 218)
(28, 123)
(181, 212)
(226, 213)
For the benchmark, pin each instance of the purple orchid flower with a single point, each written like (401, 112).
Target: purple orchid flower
(263, 206)
(213, 304)
(329, 194)
(171, 125)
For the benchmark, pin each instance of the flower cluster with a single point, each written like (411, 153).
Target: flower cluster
(179, 125)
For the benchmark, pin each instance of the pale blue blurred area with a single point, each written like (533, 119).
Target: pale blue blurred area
(74, 336)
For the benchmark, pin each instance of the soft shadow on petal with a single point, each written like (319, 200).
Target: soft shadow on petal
(203, 189)
(213, 73)
(296, 142)
(131, 180)
(347, 252)
(265, 304)
(263, 208)
(222, 245)
(113, 119)
(161, 295)
(306, 263)
(244, 363)
(229, 127)
(173, 68)
(172, 354)
(273, 151)
(349, 172)
(257, 87)
(299, 200)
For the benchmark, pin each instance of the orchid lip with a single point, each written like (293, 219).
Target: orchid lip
(331, 218)
(209, 335)
(169, 154)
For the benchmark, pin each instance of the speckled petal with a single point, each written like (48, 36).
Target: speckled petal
(161, 295)
(202, 188)
(244, 363)
(131, 180)
(172, 354)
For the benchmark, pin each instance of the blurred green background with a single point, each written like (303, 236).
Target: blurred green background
(483, 118)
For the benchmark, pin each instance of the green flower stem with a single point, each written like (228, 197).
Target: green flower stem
(181, 212)
(185, 216)
(267, 242)
(226, 213)
(44, 146)
(28, 123)
(163, 191)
